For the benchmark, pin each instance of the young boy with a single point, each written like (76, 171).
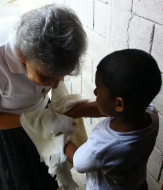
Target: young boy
(116, 153)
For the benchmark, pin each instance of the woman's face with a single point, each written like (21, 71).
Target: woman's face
(36, 73)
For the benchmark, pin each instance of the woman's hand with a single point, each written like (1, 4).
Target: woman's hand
(88, 109)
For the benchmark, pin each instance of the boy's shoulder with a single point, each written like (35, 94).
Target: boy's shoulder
(104, 138)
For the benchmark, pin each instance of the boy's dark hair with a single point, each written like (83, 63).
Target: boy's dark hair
(131, 74)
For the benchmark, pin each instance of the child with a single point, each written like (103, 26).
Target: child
(116, 153)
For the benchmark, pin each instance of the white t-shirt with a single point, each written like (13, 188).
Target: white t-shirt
(17, 93)
(116, 160)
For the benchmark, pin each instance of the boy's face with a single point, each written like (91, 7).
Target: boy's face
(105, 104)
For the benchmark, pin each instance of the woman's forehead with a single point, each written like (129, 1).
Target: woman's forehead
(49, 72)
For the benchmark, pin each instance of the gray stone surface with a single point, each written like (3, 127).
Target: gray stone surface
(140, 34)
(84, 9)
(158, 101)
(125, 5)
(94, 70)
(10, 8)
(87, 89)
(105, 1)
(77, 83)
(88, 68)
(159, 141)
(97, 45)
(157, 47)
(152, 10)
(152, 183)
(102, 18)
(119, 29)
(64, 2)
(161, 179)
(154, 163)
(68, 84)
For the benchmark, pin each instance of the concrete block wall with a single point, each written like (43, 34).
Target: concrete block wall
(113, 25)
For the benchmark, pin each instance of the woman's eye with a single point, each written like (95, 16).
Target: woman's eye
(42, 75)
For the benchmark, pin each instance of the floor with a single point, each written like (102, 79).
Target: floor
(79, 179)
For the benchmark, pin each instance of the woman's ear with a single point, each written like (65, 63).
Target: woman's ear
(22, 57)
(120, 104)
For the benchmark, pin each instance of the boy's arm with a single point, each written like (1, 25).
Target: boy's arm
(88, 109)
(82, 158)
(69, 150)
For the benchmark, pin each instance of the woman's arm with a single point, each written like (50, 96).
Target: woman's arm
(88, 109)
(9, 121)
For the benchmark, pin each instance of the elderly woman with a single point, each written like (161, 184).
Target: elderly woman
(46, 45)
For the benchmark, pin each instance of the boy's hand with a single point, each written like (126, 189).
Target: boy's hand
(69, 150)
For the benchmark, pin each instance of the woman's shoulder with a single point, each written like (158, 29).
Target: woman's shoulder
(7, 27)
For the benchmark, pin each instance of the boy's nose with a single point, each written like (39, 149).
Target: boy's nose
(95, 91)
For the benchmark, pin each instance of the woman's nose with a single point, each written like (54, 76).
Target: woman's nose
(54, 83)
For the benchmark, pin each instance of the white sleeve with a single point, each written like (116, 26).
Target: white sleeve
(84, 160)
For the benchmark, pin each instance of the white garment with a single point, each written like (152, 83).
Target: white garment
(116, 160)
(17, 93)
(50, 130)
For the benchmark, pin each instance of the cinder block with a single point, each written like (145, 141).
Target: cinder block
(9, 9)
(88, 68)
(87, 89)
(97, 47)
(158, 101)
(161, 179)
(119, 29)
(76, 81)
(84, 10)
(152, 183)
(154, 163)
(159, 140)
(68, 85)
(157, 47)
(88, 125)
(94, 70)
(4, 1)
(102, 18)
(106, 1)
(140, 34)
(75, 90)
(95, 121)
(125, 5)
(65, 2)
(151, 10)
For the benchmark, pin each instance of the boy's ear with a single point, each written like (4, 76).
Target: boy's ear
(120, 104)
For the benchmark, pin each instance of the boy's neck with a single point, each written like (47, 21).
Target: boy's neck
(131, 122)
